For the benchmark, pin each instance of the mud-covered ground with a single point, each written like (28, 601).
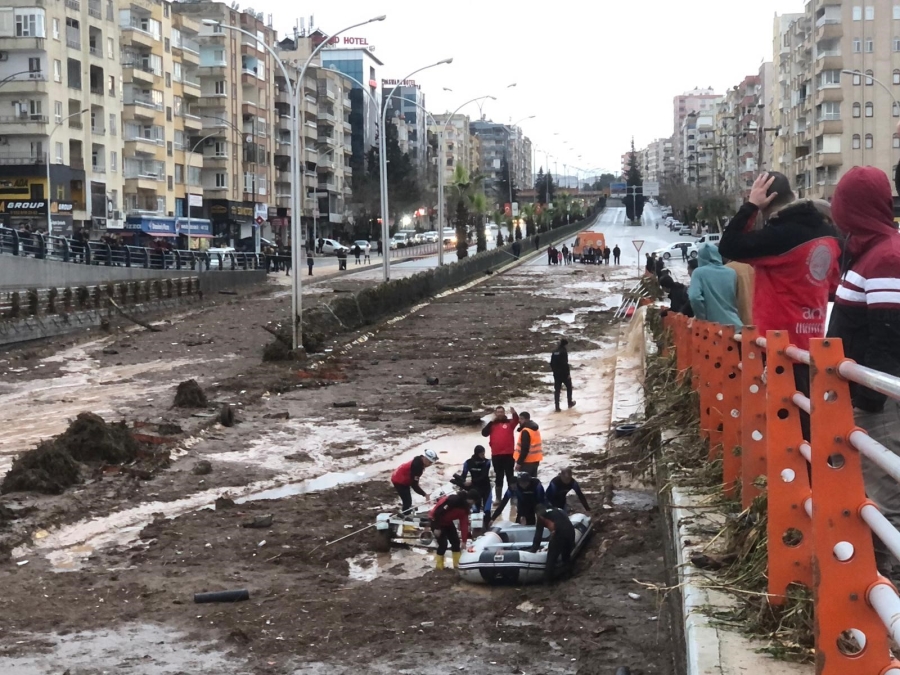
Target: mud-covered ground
(101, 578)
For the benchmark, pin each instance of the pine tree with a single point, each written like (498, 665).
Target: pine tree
(634, 200)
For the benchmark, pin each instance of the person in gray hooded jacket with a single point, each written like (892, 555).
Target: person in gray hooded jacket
(713, 289)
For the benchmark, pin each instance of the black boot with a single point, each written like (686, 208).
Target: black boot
(556, 400)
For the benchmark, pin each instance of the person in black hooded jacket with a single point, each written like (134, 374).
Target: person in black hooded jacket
(678, 295)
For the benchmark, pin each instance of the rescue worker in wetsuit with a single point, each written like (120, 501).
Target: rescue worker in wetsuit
(455, 507)
(558, 489)
(406, 478)
(562, 540)
(528, 493)
(529, 451)
(479, 468)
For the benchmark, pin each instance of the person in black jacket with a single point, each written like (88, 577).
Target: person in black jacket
(562, 540)
(478, 469)
(617, 252)
(678, 296)
(559, 364)
(528, 493)
(558, 489)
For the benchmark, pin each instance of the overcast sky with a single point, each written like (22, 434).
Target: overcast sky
(593, 72)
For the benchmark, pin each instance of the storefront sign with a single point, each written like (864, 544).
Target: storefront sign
(400, 83)
(195, 200)
(35, 208)
(222, 211)
(340, 41)
(155, 227)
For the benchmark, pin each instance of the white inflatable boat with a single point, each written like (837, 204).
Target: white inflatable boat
(502, 556)
(414, 530)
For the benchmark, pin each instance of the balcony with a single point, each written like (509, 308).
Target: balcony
(23, 159)
(311, 155)
(94, 9)
(212, 100)
(133, 33)
(24, 119)
(325, 165)
(328, 93)
(214, 123)
(312, 100)
(98, 130)
(76, 163)
(73, 4)
(153, 143)
(215, 161)
(190, 51)
(346, 102)
(829, 127)
(190, 88)
(283, 176)
(831, 94)
(828, 159)
(327, 118)
(249, 108)
(144, 107)
(282, 96)
(326, 185)
(73, 43)
(193, 122)
(829, 29)
(327, 140)
(135, 71)
(348, 128)
(831, 60)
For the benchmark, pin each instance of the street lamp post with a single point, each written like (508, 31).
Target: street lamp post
(187, 184)
(382, 151)
(508, 167)
(49, 187)
(296, 174)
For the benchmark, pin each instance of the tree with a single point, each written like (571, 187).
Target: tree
(502, 188)
(527, 212)
(563, 205)
(545, 189)
(478, 204)
(465, 198)
(634, 200)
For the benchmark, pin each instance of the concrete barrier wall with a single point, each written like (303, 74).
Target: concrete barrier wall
(214, 281)
(19, 272)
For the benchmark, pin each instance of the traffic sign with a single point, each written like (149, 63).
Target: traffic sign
(259, 220)
(638, 244)
(515, 209)
(651, 189)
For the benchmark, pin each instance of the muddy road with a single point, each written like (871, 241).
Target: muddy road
(102, 577)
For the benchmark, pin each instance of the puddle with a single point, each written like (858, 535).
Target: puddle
(635, 500)
(397, 564)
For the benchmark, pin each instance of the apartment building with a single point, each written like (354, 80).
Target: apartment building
(499, 143)
(697, 140)
(458, 144)
(161, 159)
(696, 101)
(236, 106)
(740, 137)
(408, 104)
(60, 103)
(831, 121)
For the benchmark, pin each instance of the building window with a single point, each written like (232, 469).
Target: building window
(110, 48)
(220, 86)
(57, 111)
(897, 44)
(220, 149)
(112, 85)
(870, 13)
(171, 183)
(830, 110)
(29, 23)
(165, 10)
(869, 142)
(896, 141)
(112, 124)
(168, 79)
(56, 29)
(179, 173)
(113, 161)
(57, 70)
(896, 109)
(167, 45)
(168, 113)
(169, 148)
(221, 180)
(869, 80)
(829, 77)
(870, 109)
(870, 45)
(219, 56)
(897, 12)
(856, 141)
(857, 45)
(897, 77)
(857, 110)
(857, 13)
(857, 79)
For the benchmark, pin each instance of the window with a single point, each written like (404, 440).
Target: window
(168, 113)
(857, 79)
(169, 148)
(856, 141)
(857, 13)
(177, 73)
(897, 12)
(219, 56)
(167, 45)
(829, 78)
(59, 153)
(56, 29)
(179, 173)
(869, 80)
(869, 142)
(113, 161)
(171, 183)
(857, 46)
(870, 109)
(220, 86)
(896, 141)
(57, 111)
(896, 109)
(112, 124)
(57, 70)
(857, 110)
(29, 22)
(165, 10)
(870, 13)
(168, 79)
(897, 77)
(897, 44)
(221, 180)
(112, 85)
(110, 48)
(830, 110)
(220, 149)
(870, 45)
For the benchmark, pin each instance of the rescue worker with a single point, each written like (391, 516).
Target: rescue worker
(529, 450)
(448, 509)
(480, 469)
(562, 540)
(501, 431)
(562, 374)
(558, 489)
(406, 478)
(528, 493)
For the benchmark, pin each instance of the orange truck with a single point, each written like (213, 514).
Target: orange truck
(585, 241)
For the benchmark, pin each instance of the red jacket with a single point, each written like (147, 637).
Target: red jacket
(450, 508)
(408, 473)
(796, 257)
(502, 435)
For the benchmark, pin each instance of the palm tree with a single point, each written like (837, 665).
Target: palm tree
(527, 212)
(478, 205)
(563, 204)
(466, 198)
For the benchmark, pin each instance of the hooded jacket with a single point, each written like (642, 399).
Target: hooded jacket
(527, 443)
(713, 289)
(502, 435)
(866, 314)
(796, 260)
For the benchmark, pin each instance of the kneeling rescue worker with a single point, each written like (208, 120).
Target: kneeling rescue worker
(479, 468)
(448, 509)
(406, 478)
(562, 539)
(528, 492)
(558, 489)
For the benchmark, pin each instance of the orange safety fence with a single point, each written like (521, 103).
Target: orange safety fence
(820, 523)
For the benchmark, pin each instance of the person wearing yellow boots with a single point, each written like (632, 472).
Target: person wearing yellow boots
(451, 508)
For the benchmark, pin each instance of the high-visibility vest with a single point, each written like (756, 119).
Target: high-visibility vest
(535, 450)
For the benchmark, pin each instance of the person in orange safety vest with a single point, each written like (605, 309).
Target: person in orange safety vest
(529, 449)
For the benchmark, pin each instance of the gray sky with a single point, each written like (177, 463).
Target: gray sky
(593, 72)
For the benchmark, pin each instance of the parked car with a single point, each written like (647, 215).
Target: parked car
(332, 246)
(449, 235)
(712, 238)
(431, 237)
(400, 239)
(214, 256)
(364, 245)
(686, 231)
(674, 250)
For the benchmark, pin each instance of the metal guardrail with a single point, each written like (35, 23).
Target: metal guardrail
(820, 523)
(65, 249)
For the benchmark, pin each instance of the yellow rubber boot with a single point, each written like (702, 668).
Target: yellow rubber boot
(456, 555)
(438, 561)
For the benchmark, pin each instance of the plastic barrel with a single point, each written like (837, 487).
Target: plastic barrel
(222, 596)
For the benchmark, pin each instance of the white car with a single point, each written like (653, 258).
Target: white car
(364, 245)
(674, 250)
(431, 237)
(332, 246)
(449, 235)
(214, 257)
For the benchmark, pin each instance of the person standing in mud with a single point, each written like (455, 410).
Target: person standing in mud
(529, 450)
(479, 468)
(406, 478)
(448, 510)
(562, 541)
(617, 254)
(562, 375)
(606, 253)
(528, 493)
(501, 430)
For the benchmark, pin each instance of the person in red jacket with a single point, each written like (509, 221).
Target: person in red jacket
(406, 478)
(454, 507)
(501, 431)
(866, 317)
(796, 260)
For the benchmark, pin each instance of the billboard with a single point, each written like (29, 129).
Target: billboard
(617, 189)
(651, 189)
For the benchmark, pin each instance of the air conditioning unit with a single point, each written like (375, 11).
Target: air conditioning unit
(36, 75)
(117, 215)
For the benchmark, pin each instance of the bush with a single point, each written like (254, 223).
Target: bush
(15, 306)
(84, 296)
(52, 294)
(67, 298)
(33, 302)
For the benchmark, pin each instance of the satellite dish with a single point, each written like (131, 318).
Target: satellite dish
(249, 138)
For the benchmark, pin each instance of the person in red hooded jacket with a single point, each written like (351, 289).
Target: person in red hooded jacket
(454, 507)
(501, 431)
(866, 317)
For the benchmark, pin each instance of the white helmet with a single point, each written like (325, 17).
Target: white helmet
(431, 456)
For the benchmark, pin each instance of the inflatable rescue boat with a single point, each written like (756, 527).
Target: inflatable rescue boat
(502, 554)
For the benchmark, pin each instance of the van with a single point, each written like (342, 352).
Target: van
(712, 238)
(586, 240)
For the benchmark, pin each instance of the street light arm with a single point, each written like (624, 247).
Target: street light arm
(876, 81)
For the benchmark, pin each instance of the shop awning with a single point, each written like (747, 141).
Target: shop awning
(155, 227)
(195, 227)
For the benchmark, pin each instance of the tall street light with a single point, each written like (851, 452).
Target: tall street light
(508, 167)
(382, 151)
(441, 172)
(49, 186)
(296, 174)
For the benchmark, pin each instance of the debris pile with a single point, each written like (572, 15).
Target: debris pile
(190, 395)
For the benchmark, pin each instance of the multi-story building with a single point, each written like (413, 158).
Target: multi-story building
(160, 59)
(698, 164)
(740, 137)
(831, 120)
(458, 144)
(237, 110)
(60, 103)
(407, 104)
(658, 161)
(695, 101)
(475, 153)
(501, 143)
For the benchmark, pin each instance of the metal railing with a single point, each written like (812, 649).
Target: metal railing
(820, 523)
(40, 246)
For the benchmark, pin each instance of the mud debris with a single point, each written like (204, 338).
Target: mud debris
(226, 416)
(202, 468)
(190, 395)
(47, 469)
